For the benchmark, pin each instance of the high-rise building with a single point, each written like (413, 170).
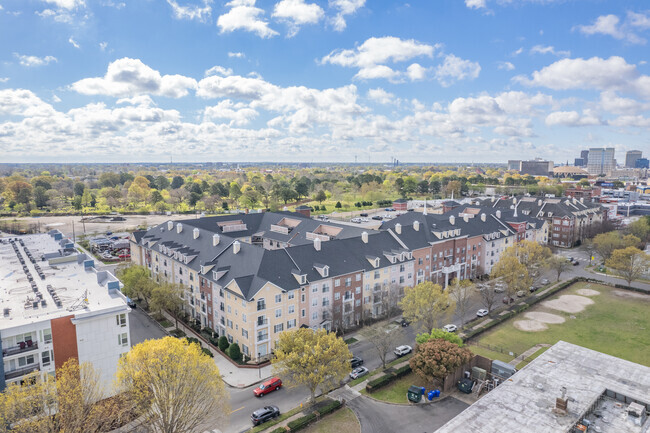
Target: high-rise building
(514, 164)
(585, 157)
(536, 167)
(579, 162)
(631, 157)
(642, 163)
(601, 160)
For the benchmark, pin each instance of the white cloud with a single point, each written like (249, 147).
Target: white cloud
(611, 102)
(73, 42)
(243, 15)
(103, 45)
(31, 61)
(67, 4)
(518, 51)
(297, 13)
(475, 4)
(21, 102)
(541, 49)
(236, 55)
(127, 77)
(4, 79)
(632, 121)
(595, 73)
(416, 72)
(611, 25)
(345, 7)
(381, 96)
(572, 118)
(218, 70)
(238, 114)
(56, 98)
(454, 69)
(191, 11)
(370, 56)
(505, 66)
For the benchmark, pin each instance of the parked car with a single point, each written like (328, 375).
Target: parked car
(264, 414)
(131, 303)
(388, 209)
(508, 299)
(356, 362)
(521, 294)
(482, 312)
(576, 263)
(358, 372)
(499, 289)
(404, 323)
(268, 386)
(364, 220)
(355, 220)
(363, 214)
(545, 281)
(533, 289)
(402, 350)
(450, 328)
(377, 217)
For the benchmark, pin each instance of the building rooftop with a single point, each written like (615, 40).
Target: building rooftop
(43, 278)
(600, 389)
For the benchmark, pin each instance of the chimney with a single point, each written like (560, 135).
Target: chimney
(317, 244)
(179, 228)
(215, 240)
(235, 247)
(398, 228)
(514, 200)
(492, 199)
(170, 225)
(195, 233)
(483, 217)
(498, 214)
(364, 237)
(582, 199)
(452, 220)
(465, 218)
(416, 226)
(539, 202)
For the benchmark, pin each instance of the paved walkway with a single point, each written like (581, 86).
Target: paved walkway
(528, 353)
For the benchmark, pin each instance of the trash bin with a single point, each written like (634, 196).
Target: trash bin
(414, 394)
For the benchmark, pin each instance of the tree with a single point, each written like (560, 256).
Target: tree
(437, 333)
(137, 284)
(250, 198)
(24, 406)
(488, 296)
(424, 303)
(512, 273)
(436, 359)
(383, 336)
(234, 352)
(177, 182)
(630, 263)
(40, 197)
(454, 187)
(223, 343)
(558, 264)
(606, 243)
(530, 254)
(311, 358)
(338, 205)
(639, 228)
(461, 293)
(589, 247)
(167, 296)
(321, 196)
(155, 196)
(173, 384)
(235, 191)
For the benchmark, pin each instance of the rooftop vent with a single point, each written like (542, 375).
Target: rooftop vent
(170, 225)
(195, 233)
(317, 242)
(236, 246)
(364, 237)
(498, 214)
(483, 217)
(179, 228)
(416, 226)
(215, 240)
(452, 220)
(398, 228)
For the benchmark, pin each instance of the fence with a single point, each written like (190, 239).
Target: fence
(477, 361)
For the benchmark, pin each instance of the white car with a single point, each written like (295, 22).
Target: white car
(499, 289)
(402, 350)
(482, 312)
(358, 372)
(355, 220)
(450, 328)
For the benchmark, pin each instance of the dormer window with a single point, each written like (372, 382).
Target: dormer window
(377, 262)
(303, 279)
(326, 271)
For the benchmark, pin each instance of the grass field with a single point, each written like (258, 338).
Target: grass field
(617, 323)
(396, 391)
(343, 420)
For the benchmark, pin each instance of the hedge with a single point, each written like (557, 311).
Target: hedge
(387, 378)
(301, 422)
(279, 430)
(329, 408)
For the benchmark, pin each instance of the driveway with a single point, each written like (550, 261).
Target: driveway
(142, 327)
(378, 417)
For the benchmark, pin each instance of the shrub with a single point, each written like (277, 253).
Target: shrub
(338, 205)
(301, 422)
(402, 371)
(330, 407)
(223, 343)
(382, 380)
(316, 207)
(323, 208)
(279, 430)
(234, 352)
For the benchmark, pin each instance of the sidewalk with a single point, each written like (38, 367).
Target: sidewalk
(234, 376)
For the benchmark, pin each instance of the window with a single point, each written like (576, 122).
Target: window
(401, 280)
(278, 312)
(314, 315)
(326, 288)
(47, 336)
(358, 290)
(278, 298)
(121, 320)
(292, 295)
(377, 274)
(46, 357)
(357, 302)
(244, 333)
(326, 302)
(243, 317)
(278, 328)
(123, 339)
(229, 323)
(348, 282)
(229, 309)
(244, 349)
(337, 282)
(401, 268)
(314, 302)
(292, 309)
(261, 304)
(302, 297)
(314, 288)
(302, 313)
(337, 296)
(358, 277)
(420, 261)
(291, 324)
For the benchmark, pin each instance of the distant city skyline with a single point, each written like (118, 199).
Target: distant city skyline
(449, 81)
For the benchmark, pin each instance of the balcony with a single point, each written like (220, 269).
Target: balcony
(348, 298)
(261, 323)
(261, 338)
(21, 371)
(21, 348)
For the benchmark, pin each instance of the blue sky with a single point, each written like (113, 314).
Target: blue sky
(321, 80)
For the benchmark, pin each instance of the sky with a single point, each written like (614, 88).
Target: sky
(425, 81)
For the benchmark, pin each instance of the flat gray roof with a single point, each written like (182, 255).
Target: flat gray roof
(525, 401)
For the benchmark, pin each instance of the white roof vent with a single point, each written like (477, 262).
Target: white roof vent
(179, 228)
(364, 237)
(483, 217)
(317, 242)
(416, 226)
(452, 220)
(236, 246)
(398, 228)
(498, 214)
(195, 233)
(170, 225)
(215, 240)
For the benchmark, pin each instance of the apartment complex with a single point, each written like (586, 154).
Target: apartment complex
(57, 306)
(570, 220)
(251, 277)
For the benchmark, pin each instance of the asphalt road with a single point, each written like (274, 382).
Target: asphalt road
(142, 327)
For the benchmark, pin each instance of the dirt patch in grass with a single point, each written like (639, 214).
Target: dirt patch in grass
(530, 325)
(568, 303)
(543, 317)
(343, 420)
(587, 292)
(631, 295)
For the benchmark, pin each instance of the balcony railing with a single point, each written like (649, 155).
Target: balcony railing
(21, 371)
(348, 298)
(22, 348)
(262, 338)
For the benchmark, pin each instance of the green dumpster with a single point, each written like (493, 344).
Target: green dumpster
(414, 394)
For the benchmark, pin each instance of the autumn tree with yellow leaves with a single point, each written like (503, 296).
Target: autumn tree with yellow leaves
(311, 358)
(172, 384)
(424, 304)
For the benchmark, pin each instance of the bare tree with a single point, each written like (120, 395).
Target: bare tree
(461, 292)
(558, 264)
(384, 336)
(488, 296)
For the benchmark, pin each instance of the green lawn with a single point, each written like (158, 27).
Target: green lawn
(616, 325)
(492, 354)
(379, 370)
(395, 392)
(343, 420)
(522, 364)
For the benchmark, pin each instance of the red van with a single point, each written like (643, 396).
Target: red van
(268, 386)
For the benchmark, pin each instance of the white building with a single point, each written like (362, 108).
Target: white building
(57, 306)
